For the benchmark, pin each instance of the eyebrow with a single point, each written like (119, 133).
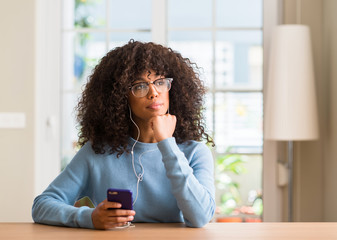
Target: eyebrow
(140, 79)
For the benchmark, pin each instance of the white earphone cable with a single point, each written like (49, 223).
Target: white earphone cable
(139, 176)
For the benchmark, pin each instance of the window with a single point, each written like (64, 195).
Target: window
(223, 37)
(89, 29)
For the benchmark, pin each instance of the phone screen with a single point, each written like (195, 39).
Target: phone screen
(122, 196)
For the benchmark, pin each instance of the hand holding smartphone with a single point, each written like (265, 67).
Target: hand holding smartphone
(122, 196)
(107, 215)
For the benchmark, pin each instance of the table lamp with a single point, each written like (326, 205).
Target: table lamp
(291, 107)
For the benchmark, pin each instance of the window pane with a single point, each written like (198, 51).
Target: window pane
(82, 52)
(239, 13)
(239, 59)
(239, 185)
(119, 39)
(89, 13)
(208, 113)
(134, 14)
(197, 46)
(238, 122)
(189, 13)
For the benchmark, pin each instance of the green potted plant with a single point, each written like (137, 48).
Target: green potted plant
(230, 198)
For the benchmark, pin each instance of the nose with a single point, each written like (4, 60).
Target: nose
(152, 91)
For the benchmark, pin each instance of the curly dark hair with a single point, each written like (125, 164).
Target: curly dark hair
(102, 111)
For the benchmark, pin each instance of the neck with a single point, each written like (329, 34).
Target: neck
(146, 133)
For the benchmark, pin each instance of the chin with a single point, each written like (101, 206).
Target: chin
(160, 111)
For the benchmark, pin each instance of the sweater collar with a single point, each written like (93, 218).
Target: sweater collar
(141, 145)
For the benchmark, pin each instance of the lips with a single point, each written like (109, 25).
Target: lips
(155, 106)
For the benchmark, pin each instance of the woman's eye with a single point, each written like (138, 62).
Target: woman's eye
(160, 82)
(140, 87)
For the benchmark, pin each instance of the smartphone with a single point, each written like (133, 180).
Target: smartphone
(122, 196)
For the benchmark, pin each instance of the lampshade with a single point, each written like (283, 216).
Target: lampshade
(291, 107)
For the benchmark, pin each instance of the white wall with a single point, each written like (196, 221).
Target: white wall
(17, 47)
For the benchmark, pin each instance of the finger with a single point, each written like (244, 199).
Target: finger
(107, 205)
(120, 219)
(120, 212)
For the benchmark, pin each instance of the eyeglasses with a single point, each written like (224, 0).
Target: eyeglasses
(141, 89)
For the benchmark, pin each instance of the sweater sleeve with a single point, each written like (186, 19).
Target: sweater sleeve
(192, 182)
(55, 205)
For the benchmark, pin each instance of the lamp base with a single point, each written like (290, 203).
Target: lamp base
(290, 180)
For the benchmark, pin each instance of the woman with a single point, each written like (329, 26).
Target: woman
(140, 119)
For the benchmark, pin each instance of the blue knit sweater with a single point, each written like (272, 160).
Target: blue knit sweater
(177, 186)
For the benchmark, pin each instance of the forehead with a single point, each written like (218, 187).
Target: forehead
(149, 75)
